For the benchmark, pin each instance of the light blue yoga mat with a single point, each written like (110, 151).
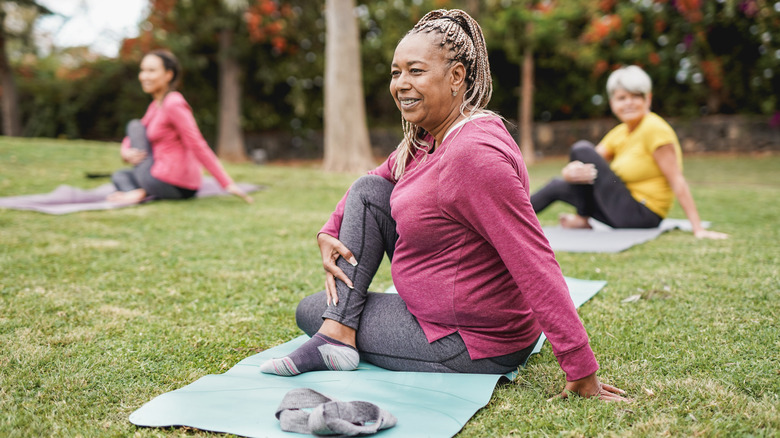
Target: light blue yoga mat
(242, 401)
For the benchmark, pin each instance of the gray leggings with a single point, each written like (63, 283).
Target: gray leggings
(140, 176)
(387, 334)
(607, 200)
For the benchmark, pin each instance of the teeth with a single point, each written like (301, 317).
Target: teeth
(408, 101)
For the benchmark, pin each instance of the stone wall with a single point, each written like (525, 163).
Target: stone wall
(275, 145)
(739, 134)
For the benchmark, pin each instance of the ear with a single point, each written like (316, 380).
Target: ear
(649, 99)
(457, 76)
(168, 76)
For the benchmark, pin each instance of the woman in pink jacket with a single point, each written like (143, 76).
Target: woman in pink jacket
(477, 281)
(165, 147)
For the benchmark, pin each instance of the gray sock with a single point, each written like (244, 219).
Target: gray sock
(320, 353)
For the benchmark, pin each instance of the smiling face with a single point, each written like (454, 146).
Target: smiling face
(154, 78)
(628, 107)
(423, 81)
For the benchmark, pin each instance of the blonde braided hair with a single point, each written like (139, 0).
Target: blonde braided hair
(462, 36)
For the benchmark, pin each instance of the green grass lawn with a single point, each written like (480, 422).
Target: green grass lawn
(102, 311)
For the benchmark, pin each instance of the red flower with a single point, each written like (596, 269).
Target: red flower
(600, 67)
(267, 7)
(654, 58)
(600, 28)
(690, 9)
(713, 73)
(660, 26)
(279, 43)
(274, 28)
(607, 5)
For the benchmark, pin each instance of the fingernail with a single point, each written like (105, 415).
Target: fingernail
(352, 261)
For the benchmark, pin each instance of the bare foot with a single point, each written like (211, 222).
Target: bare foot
(131, 197)
(573, 221)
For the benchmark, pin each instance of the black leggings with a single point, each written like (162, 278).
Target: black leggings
(606, 200)
(387, 334)
(140, 176)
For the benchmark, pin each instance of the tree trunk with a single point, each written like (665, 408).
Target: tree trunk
(347, 145)
(230, 139)
(12, 125)
(526, 108)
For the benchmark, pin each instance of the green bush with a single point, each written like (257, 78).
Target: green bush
(704, 58)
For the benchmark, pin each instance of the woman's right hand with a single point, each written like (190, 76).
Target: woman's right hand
(702, 233)
(331, 249)
(590, 386)
(132, 156)
(577, 172)
(234, 189)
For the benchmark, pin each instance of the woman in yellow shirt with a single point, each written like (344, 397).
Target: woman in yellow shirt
(630, 179)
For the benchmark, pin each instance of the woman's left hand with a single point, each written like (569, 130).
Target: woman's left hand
(234, 189)
(707, 234)
(132, 156)
(577, 172)
(591, 387)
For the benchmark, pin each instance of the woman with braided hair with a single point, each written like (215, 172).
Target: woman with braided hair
(477, 281)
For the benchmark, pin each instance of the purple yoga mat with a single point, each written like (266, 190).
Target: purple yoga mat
(68, 199)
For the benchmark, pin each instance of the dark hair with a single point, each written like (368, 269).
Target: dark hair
(170, 63)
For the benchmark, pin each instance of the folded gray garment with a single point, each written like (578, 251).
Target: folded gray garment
(304, 410)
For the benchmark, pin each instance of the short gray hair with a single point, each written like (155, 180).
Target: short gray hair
(632, 79)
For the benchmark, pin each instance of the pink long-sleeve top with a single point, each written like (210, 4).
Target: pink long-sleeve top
(179, 149)
(471, 256)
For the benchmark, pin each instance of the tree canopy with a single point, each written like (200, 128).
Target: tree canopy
(705, 57)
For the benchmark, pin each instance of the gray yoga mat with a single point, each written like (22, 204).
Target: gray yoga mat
(242, 401)
(603, 238)
(68, 199)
